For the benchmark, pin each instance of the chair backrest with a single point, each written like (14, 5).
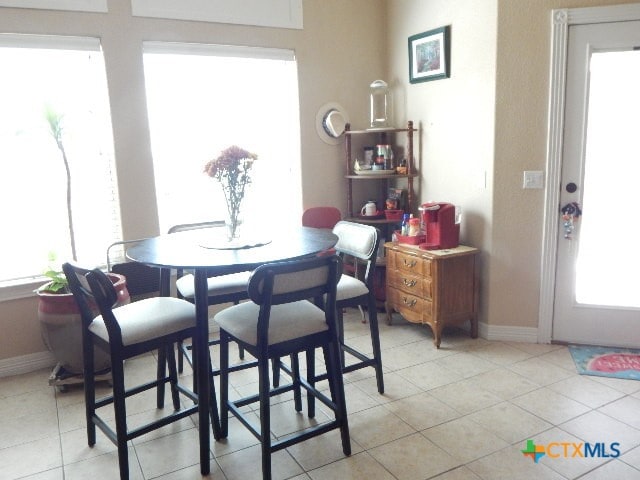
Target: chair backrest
(141, 279)
(91, 288)
(82, 294)
(187, 227)
(321, 217)
(286, 282)
(360, 242)
(356, 239)
(184, 227)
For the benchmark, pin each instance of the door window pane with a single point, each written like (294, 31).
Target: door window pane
(607, 264)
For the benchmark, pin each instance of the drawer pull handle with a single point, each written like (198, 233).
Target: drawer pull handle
(410, 264)
(409, 283)
(409, 303)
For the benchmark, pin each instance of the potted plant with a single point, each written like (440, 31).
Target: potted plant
(61, 326)
(58, 313)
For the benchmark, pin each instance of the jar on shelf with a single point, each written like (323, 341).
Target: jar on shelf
(414, 227)
(380, 103)
(385, 154)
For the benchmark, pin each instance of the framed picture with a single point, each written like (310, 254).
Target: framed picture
(429, 55)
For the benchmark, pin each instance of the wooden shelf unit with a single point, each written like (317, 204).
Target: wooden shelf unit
(381, 137)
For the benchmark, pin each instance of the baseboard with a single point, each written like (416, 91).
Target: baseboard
(26, 363)
(505, 333)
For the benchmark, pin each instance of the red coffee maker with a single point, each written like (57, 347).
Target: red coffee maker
(439, 220)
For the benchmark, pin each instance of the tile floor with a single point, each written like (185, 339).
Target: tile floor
(459, 413)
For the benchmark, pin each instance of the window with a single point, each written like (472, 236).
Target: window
(78, 5)
(202, 99)
(65, 76)
(274, 13)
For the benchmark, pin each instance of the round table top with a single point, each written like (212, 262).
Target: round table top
(190, 249)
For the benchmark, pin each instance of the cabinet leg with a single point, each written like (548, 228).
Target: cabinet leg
(389, 309)
(437, 334)
(474, 326)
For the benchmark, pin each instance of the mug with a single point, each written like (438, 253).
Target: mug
(369, 209)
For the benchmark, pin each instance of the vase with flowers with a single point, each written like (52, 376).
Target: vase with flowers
(232, 169)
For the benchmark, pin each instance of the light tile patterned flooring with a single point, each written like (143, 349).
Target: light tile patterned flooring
(462, 412)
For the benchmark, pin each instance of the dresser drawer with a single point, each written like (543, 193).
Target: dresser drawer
(409, 263)
(411, 307)
(412, 284)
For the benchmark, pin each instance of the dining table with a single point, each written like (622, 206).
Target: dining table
(208, 252)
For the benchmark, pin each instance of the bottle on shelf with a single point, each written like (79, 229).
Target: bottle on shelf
(414, 227)
(404, 230)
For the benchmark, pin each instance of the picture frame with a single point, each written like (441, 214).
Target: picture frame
(429, 55)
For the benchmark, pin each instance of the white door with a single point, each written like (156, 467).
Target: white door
(597, 288)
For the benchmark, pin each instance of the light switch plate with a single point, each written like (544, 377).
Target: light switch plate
(533, 179)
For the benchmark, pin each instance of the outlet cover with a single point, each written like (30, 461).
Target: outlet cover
(532, 179)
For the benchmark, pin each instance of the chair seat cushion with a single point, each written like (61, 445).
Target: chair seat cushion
(350, 287)
(221, 285)
(287, 321)
(148, 319)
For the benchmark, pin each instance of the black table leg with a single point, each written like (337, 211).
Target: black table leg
(201, 350)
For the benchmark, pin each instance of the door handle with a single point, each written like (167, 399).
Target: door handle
(410, 263)
(409, 303)
(409, 283)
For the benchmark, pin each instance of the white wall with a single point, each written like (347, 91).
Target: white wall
(456, 114)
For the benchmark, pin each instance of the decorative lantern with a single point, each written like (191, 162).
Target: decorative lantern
(380, 103)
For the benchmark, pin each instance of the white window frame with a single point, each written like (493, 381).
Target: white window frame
(71, 5)
(261, 13)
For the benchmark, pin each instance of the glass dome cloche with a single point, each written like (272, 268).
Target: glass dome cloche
(380, 104)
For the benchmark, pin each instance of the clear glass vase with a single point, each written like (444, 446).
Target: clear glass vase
(233, 224)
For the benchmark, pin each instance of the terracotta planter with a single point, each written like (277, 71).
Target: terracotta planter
(61, 327)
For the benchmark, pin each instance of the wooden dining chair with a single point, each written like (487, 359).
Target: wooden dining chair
(125, 332)
(278, 321)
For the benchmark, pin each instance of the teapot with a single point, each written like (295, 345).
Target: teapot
(370, 209)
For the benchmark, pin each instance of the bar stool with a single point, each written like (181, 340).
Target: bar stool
(279, 321)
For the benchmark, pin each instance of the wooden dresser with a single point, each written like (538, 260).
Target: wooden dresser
(436, 287)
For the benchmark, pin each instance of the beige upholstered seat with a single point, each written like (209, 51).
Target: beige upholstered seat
(284, 325)
(350, 287)
(148, 319)
(234, 283)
